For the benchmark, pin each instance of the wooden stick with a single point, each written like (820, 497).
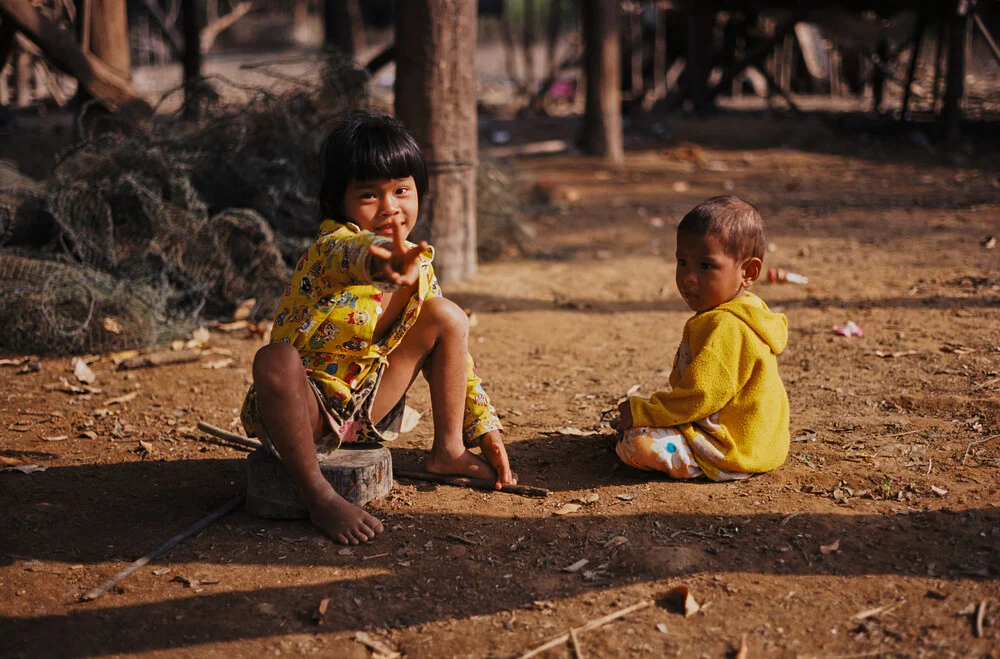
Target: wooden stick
(476, 483)
(987, 36)
(978, 441)
(160, 359)
(229, 436)
(577, 650)
(94, 593)
(980, 616)
(593, 624)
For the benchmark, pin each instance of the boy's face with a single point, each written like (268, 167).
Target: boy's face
(372, 204)
(707, 276)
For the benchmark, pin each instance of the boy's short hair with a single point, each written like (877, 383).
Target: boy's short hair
(367, 147)
(737, 224)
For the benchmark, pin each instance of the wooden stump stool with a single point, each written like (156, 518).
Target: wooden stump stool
(359, 474)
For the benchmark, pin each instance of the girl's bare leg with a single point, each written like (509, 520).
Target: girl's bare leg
(438, 344)
(293, 420)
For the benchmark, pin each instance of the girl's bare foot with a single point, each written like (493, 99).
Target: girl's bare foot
(343, 521)
(463, 464)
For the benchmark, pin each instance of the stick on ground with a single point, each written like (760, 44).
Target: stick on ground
(228, 436)
(593, 624)
(94, 593)
(475, 483)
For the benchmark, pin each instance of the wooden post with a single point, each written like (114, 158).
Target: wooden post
(435, 97)
(343, 28)
(528, 43)
(191, 64)
(660, 50)
(22, 77)
(109, 35)
(954, 90)
(602, 122)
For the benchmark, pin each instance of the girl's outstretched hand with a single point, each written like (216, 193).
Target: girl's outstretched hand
(398, 266)
(495, 453)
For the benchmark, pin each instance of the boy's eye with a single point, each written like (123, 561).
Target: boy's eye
(707, 266)
(681, 262)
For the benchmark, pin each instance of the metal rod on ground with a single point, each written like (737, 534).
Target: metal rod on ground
(477, 483)
(94, 593)
(228, 436)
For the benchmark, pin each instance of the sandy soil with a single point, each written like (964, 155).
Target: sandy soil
(880, 536)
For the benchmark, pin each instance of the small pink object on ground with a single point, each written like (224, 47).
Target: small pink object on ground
(850, 328)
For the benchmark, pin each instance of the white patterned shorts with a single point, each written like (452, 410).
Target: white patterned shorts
(668, 450)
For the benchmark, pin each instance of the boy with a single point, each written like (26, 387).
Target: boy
(726, 413)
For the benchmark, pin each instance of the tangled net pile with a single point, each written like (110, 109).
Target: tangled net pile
(143, 231)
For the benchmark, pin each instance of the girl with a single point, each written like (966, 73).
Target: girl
(362, 315)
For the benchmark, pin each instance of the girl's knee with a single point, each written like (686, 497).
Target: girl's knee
(446, 315)
(274, 365)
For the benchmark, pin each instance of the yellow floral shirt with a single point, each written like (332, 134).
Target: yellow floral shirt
(329, 310)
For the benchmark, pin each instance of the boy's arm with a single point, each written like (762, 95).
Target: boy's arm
(709, 382)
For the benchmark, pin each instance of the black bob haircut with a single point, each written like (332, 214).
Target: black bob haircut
(367, 147)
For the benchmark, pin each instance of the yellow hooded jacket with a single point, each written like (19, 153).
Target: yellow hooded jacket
(725, 386)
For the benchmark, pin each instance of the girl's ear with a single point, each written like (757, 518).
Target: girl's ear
(752, 268)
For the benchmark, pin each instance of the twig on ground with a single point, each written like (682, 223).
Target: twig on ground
(475, 483)
(94, 593)
(978, 441)
(160, 359)
(593, 624)
(229, 436)
(898, 434)
(577, 650)
(980, 616)
(871, 613)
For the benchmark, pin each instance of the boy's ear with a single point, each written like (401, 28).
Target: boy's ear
(752, 268)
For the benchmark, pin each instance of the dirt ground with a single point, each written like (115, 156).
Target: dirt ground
(879, 537)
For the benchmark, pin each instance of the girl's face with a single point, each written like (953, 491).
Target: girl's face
(707, 276)
(372, 204)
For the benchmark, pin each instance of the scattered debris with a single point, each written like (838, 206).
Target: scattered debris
(877, 611)
(220, 363)
(989, 242)
(576, 567)
(830, 548)
(376, 646)
(978, 441)
(616, 541)
(162, 571)
(83, 372)
(789, 518)
(411, 418)
(593, 624)
(160, 359)
(25, 469)
(244, 309)
(121, 399)
(567, 508)
(849, 329)
(30, 367)
(57, 438)
(320, 616)
(779, 276)
(894, 355)
(662, 628)
(940, 491)
(679, 600)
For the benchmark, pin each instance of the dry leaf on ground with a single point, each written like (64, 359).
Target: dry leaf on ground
(680, 600)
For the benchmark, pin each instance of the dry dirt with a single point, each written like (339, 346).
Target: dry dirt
(880, 536)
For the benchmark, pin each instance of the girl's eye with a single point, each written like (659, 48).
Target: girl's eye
(402, 191)
(681, 262)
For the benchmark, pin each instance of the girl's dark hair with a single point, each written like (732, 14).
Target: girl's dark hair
(737, 224)
(367, 147)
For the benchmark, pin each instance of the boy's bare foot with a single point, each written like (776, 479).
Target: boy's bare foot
(463, 464)
(343, 521)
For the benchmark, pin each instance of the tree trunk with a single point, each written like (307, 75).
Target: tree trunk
(191, 64)
(436, 99)
(109, 35)
(343, 28)
(954, 89)
(602, 122)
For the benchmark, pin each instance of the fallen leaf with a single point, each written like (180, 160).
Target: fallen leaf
(232, 327)
(830, 548)
(569, 430)
(680, 600)
(575, 567)
(411, 418)
(626, 497)
(989, 242)
(744, 651)
(375, 645)
(662, 628)
(145, 446)
(25, 469)
(892, 355)
(345, 552)
(83, 372)
(616, 541)
(264, 609)
(121, 399)
(940, 491)
(112, 325)
(88, 434)
(320, 616)
(567, 508)
(57, 438)
(199, 338)
(161, 571)
(242, 312)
